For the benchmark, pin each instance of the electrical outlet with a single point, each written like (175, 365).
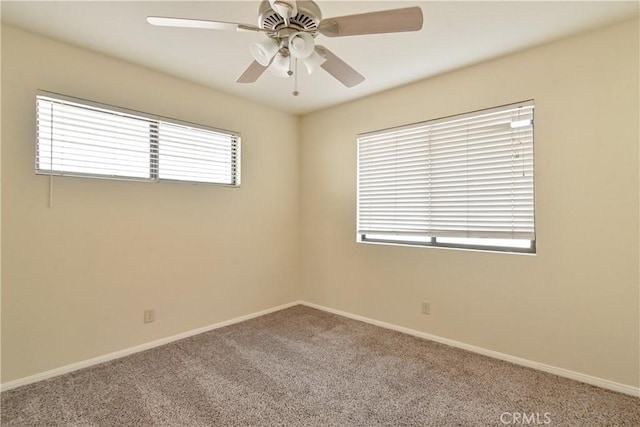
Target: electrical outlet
(426, 307)
(149, 316)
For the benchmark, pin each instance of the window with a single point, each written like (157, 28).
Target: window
(464, 181)
(81, 138)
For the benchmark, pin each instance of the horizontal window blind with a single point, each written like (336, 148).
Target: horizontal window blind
(73, 139)
(190, 154)
(81, 138)
(464, 176)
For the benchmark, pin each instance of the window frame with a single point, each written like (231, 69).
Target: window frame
(154, 142)
(435, 244)
(432, 241)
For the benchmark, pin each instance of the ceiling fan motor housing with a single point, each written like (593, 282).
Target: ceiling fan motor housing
(307, 19)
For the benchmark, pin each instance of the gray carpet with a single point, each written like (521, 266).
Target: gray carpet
(304, 367)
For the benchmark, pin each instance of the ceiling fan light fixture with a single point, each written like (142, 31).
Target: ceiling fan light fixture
(280, 66)
(314, 61)
(301, 45)
(263, 51)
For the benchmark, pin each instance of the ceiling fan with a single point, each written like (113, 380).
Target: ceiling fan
(291, 27)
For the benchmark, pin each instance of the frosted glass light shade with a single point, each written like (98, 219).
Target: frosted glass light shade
(280, 66)
(313, 62)
(301, 45)
(263, 51)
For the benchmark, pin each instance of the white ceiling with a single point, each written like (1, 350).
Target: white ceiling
(455, 34)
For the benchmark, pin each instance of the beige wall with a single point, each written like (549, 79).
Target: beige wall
(76, 278)
(575, 304)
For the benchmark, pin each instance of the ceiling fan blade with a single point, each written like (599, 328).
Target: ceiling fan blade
(162, 21)
(339, 69)
(252, 73)
(387, 21)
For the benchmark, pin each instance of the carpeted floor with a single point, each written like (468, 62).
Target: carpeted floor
(304, 367)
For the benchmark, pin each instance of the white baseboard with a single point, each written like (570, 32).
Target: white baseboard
(599, 382)
(136, 349)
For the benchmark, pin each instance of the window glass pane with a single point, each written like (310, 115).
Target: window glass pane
(506, 243)
(412, 239)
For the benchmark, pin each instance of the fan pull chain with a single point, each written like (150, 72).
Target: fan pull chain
(290, 70)
(295, 77)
